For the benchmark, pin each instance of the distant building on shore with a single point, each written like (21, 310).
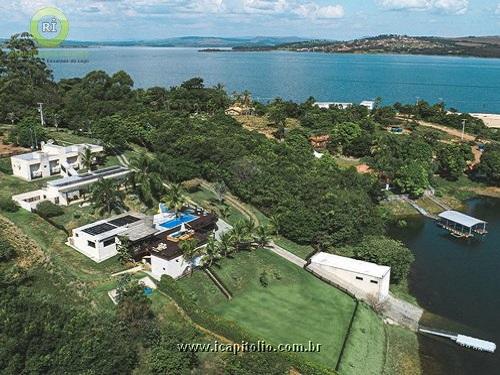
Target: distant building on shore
(369, 104)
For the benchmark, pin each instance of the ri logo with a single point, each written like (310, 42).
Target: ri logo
(49, 27)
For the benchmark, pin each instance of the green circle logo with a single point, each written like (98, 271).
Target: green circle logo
(50, 27)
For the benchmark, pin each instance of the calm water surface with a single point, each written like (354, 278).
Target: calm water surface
(454, 279)
(468, 84)
(459, 280)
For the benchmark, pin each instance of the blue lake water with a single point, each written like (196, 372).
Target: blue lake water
(468, 84)
(460, 280)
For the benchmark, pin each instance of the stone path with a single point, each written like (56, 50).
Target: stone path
(286, 255)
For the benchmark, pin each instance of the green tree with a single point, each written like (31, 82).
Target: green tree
(28, 133)
(87, 158)
(175, 198)
(145, 178)
(25, 79)
(125, 248)
(189, 249)
(383, 251)
(344, 134)
(277, 115)
(412, 178)
(261, 236)
(106, 196)
(452, 160)
(7, 251)
(211, 253)
(489, 167)
(165, 356)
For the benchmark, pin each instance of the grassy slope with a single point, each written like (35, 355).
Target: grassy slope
(296, 307)
(402, 358)
(364, 352)
(302, 251)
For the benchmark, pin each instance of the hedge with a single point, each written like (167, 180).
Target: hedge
(229, 329)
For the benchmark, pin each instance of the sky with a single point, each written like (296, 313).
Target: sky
(329, 19)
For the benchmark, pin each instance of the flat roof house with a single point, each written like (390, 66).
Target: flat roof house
(326, 105)
(98, 240)
(158, 245)
(363, 279)
(66, 190)
(51, 160)
(164, 251)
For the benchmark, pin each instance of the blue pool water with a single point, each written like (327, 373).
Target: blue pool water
(184, 218)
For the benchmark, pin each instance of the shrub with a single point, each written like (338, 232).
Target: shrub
(48, 209)
(264, 280)
(5, 166)
(192, 185)
(8, 205)
(7, 252)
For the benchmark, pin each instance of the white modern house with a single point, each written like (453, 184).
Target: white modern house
(365, 280)
(51, 160)
(99, 240)
(365, 103)
(326, 105)
(67, 190)
(370, 104)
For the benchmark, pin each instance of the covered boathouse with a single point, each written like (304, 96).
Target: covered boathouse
(461, 225)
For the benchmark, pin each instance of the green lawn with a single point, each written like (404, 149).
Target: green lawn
(364, 352)
(402, 353)
(294, 308)
(302, 251)
(65, 135)
(206, 199)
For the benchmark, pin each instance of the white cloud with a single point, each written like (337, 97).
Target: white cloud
(446, 6)
(311, 10)
(265, 6)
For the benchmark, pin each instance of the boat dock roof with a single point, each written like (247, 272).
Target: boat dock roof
(471, 342)
(460, 218)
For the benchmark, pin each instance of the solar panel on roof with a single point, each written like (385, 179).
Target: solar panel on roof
(125, 220)
(90, 176)
(99, 229)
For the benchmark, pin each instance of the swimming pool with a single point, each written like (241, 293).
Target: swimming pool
(184, 218)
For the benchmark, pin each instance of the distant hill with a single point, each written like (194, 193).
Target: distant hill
(192, 41)
(485, 46)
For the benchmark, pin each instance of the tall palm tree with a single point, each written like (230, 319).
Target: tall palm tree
(145, 178)
(87, 159)
(175, 198)
(211, 253)
(226, 244)
(274, 222)
(189, 249)
(105, 196)
(262, 236)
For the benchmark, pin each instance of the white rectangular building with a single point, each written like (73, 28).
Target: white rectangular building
(51, 160)
(365, 280)
(98, 240)
(66, 190)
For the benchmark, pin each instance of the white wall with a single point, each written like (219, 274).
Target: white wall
(363, 288)
(174, 268)
(80, 241)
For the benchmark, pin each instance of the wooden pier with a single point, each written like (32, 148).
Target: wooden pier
(462, 340)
